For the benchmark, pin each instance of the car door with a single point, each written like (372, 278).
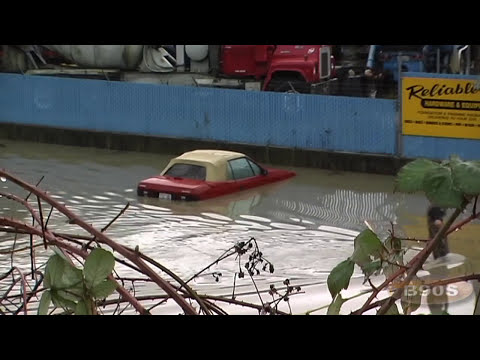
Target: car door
(245, 173)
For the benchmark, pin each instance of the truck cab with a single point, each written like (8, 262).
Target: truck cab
(282, 67)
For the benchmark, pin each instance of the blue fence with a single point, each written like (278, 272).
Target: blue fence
(290, 120)
(330, 123)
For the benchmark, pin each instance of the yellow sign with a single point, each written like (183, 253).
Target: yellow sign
(441, 107)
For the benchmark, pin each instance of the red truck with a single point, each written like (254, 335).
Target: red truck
(262, 67)
(281, 67)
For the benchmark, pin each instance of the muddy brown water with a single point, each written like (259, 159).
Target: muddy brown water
(304, 226)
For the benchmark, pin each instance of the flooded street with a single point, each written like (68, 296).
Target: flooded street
(304, 226)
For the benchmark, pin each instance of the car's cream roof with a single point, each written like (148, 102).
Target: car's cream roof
(215, 161)
(210, 156)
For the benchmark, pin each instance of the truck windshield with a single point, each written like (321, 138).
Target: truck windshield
(187, 171)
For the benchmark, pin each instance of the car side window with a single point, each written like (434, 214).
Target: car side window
(256, 169)
(241, 169)
(229, 172)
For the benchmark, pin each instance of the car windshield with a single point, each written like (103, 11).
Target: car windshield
(187, 171)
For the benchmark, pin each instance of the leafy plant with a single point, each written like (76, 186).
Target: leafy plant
(454, 184)
(75, 290)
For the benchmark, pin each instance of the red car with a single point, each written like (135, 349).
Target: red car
(204, 174)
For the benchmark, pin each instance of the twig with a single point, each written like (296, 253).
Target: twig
(116, 217)
(204, 297)
(55, 241)
(41, 222)
(422, 256)
(105, 239)
(13, 250)
(178, 279)
(256, 288)
(462, 223)
(32, 252)
(222, 257)
(38, 183)
(454, 280)
(24, 290)
(395, 264)
(48, 218)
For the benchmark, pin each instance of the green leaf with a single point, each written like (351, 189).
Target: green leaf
(335, 306)
(60, 301)
(60, 274)
(389, 269)
(74, 294)
(411, 297)
(410, 177)
(98, 265)
(370, 268)
(440, 189)
(104, 289)
(466, 177)
(71, 276)
(340, 276)
(82, 308)
(59, 252)
(393, 243)
(366, 244)
(393, 310)
(53, 271)
(44, 303)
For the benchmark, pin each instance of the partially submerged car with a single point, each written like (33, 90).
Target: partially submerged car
(204, 174)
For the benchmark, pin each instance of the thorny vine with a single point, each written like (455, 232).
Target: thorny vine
(19, 293)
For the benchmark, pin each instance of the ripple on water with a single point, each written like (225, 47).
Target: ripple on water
(151, 207)
(112, 194)
(100, 197)
(320, 234)
(217, 216)
(78, 197)
(338, 230)
(287, 226)
(253, 225)
(255, 218)
(302, 221)
(93, 201)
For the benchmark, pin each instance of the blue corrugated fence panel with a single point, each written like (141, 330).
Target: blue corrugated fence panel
(262, 118)
(441, 148)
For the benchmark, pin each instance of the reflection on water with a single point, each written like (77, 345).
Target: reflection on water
(304, 226)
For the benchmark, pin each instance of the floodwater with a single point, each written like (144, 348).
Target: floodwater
(304, 226)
